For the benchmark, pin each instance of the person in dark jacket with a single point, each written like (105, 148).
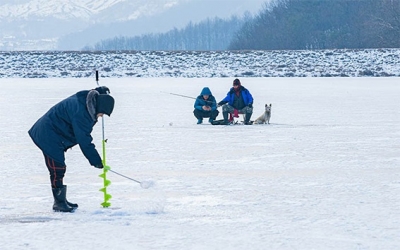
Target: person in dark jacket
(66, 124)
(205, 106)
(238, 98)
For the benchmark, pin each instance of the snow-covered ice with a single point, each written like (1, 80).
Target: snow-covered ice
(192, 64)
(323, 175)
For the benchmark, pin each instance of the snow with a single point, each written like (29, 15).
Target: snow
(83, 8)
(193, 64)
(323, 175)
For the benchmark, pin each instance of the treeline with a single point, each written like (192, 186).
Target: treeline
(282, 24)
(308, 24)
(211, 34)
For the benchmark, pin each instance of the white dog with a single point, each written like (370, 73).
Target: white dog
(264, 118)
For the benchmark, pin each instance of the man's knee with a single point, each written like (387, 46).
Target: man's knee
(227, 108)
(248, 110)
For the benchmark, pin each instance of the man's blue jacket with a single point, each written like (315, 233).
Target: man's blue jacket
(230, 97)
(65, 125)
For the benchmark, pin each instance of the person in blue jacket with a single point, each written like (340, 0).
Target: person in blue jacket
(69, 123)
(205, 106)
(238, 98)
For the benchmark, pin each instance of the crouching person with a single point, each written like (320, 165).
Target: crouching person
(205, 106)
(238, 98)
(66, 124)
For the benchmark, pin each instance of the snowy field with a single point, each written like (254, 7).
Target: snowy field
(201, 64)
(323, 175)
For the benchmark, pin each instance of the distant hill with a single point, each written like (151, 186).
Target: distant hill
(210, 34)
(73, 24)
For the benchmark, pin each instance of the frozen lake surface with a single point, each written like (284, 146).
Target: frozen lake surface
(323, 175)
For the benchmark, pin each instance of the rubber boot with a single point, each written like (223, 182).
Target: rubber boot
(225, 115)
(247, 120)
(60, 201)
(73, 205)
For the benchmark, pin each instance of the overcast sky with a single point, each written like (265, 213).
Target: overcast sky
(32, 33)
(198, 10)
(224, 8)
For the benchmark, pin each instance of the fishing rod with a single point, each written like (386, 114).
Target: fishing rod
(180, 95)
(190, 97)
(143, 184)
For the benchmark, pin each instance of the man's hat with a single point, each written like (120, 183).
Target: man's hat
(104, 104)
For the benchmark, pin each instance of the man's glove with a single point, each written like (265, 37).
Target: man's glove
(100, 166)
(221, 103)
(250, 105)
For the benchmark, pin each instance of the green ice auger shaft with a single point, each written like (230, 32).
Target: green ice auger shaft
(106, 182)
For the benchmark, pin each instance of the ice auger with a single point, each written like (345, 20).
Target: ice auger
(106, 182)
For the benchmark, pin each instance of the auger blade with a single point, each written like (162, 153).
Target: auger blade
(107, 183)
(106, 204)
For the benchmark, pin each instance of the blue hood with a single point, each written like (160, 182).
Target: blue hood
(206, 91)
